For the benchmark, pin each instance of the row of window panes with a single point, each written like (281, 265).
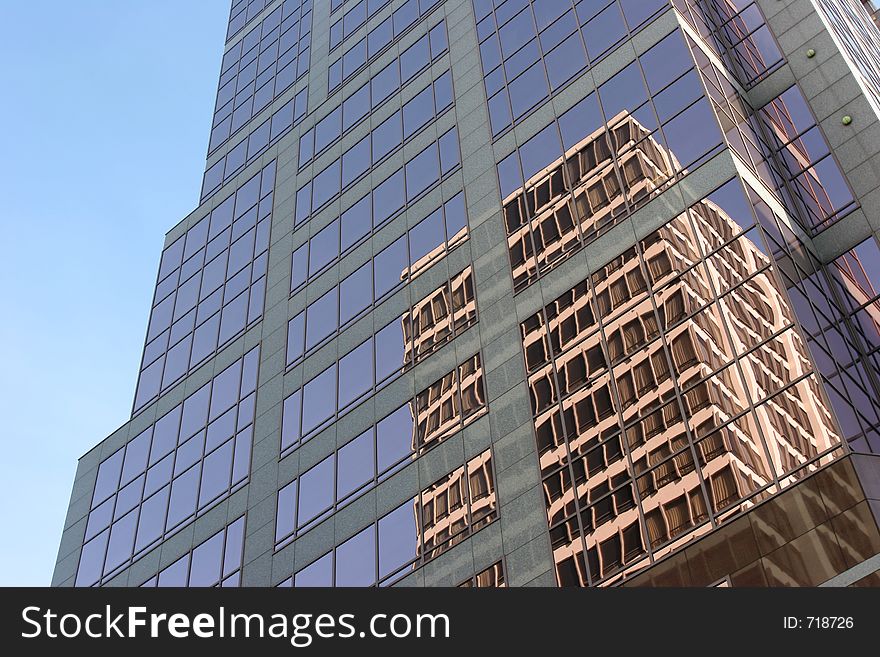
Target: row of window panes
(255, 145)
(811, 171)
(859, 38)
(242, 13)
(776, 143)
(387, 137)
(605, 157)
(194, 455)
(593, 425)
(420, 529)
(434, 236)
(214, 562)
(360, 290)
(260, 66)
(373, 93)
(403, 186)
(353, 19)
(530, 50)
(735, 31)
(842, 352)
(211, 286)
(378, 452)
(375, 362)
(377, 40)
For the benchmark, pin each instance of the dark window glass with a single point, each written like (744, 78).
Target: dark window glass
(356, 374)
(315, 491)
(355, 466)
(356, 222)
(391, 266)
(356, 559)
(355, 293)
(426, 236)
(322, 318)
(422, 171)
(319, 573)
(386, 136)
(326, 185)
(398, 540)
(319, 400)
(418, 111)
(323, 248)
(388, 197)
(390, 350)
(394, 436)
(355, 161)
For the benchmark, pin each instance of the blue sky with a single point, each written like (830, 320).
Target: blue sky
(105, 117)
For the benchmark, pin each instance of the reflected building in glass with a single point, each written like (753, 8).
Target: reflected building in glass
(488, 293)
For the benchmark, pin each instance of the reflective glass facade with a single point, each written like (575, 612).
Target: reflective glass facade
(489, 293)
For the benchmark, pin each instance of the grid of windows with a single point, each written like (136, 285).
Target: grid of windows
(531, 49)
(242, 13)
(856, 280)
(377, 40)
(255, 144)
(384, 139)
(373, 93)
(491, 577)
(420, 529)
(604, 158)
(433, 237)
(837, 309)
(443, 313)
(389, 135)
(858, 38)
(381, 358)
(211, 286)
(214, 562)
(670, 391)
(403, 186)
(260, 66)
(190, 458)
(735, 30)
(353, 19)
(374, 455)
(782, 144)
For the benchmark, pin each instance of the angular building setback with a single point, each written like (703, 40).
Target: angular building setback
(506, 293)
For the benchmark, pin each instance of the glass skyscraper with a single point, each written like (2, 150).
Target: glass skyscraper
(506, 293)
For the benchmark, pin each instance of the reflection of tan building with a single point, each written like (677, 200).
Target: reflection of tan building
(627, 421)
(462, 500)
(435, 319)
(440, 409)
(582, 196)
(491, 577)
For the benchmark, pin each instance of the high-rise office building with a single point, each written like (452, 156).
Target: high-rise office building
(505, 293)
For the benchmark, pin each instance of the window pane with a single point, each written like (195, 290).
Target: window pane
(394, 436)
(391, 348)
(321, 318)
(319, 573)
(356, 559)
(315, 491)
(355, 464)
(355, 373)
(398, 539)
(319, 399)
(391, 267)
(421, 172)
(355, 292)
